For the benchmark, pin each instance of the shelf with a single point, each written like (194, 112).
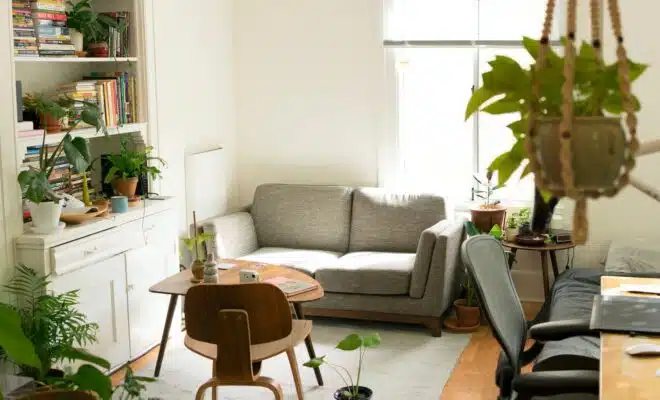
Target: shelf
(74, 59)
(86, 133)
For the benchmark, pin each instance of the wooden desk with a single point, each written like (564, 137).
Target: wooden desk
(178, 285)
(624, 377)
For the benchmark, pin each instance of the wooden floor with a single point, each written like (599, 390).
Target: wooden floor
(473, 377)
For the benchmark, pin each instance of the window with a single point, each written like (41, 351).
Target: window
(438, 50)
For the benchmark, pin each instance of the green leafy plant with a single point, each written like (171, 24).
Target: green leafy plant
(132, 163)
(194, 244)
(95, 27)
(34, 181)
(351, 342)
(485, 190)
(507, 88)
(472, 230)
(515, 220)
(132, 385)
(51, 322)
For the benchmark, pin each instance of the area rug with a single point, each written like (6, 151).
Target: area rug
(409, 364)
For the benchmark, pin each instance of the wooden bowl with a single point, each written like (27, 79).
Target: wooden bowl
(75, 219)
(531, 240)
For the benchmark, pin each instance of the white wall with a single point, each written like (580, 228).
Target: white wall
(309, 76)
(194, 90)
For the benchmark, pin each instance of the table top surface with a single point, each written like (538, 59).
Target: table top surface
(622, 376)
(179, 283)
(544, 247)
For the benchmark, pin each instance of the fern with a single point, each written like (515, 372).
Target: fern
(52, 322)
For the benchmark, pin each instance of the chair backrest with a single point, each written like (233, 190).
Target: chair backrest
(486, 262)
(234, 317)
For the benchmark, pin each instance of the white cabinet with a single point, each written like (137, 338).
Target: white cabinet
(102, 294)
(113, 263)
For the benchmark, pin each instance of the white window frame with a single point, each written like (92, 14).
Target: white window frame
(390, 161)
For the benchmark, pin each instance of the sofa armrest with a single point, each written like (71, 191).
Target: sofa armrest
(436, 264)
(560, 330)
(234, 235)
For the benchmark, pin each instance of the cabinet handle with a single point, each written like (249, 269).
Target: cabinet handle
(91, 251)
(130, 287)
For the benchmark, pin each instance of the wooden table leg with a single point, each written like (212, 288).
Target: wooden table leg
(166, 333)
(308, 343)
(546, 279)
(553, 261)
(512, 257)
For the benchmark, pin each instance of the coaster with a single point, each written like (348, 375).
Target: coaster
(451, 323)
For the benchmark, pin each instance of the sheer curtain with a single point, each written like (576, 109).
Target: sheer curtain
(439, 49)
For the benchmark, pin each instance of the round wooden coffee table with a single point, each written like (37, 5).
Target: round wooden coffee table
(178, 285)
(543, 250)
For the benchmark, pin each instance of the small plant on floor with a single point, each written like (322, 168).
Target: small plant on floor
(132, 386)
(352, 342)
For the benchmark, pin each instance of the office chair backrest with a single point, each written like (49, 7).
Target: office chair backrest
(487, 264)
(234, 317)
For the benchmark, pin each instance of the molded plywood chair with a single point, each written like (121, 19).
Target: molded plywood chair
(238, 326)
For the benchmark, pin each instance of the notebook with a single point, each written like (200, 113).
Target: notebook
(627, 314)
(291, 287)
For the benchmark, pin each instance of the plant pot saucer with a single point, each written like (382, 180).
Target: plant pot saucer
(33, 229)
(451, 323)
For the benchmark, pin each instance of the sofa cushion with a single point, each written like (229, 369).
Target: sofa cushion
(368, 273)
(632, 258)
(307, 261)
(385, 221)
(302, 216)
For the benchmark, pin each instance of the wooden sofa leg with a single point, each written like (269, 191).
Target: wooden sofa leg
(434, 324)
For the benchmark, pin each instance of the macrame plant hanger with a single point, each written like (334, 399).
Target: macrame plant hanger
(587, 156)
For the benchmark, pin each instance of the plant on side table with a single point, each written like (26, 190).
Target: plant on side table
(44, 204)
(491, 212)
(128, 166)
(515, 221)
(352, 342)
(195, 248)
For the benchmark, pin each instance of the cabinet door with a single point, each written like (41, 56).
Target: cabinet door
(145, 267)
(102, 292)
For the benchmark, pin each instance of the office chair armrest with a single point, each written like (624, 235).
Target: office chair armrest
(560, 330)
(549, 383)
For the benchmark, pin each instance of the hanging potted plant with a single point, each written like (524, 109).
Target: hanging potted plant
(44, 204)
(491, 212)
(592, 142)
(128, 166)
(353, 390)
(90, 30)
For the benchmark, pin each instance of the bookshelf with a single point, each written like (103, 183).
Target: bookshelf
(46, 74)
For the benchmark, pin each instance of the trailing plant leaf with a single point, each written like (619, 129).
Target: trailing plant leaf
(15, 345)
(479, 97)
(77, 152)
(91, 378)
(350, 342)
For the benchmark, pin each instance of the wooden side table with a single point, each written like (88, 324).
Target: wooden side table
(544, 251)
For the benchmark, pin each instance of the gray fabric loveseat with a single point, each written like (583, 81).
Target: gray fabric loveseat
(378, 255)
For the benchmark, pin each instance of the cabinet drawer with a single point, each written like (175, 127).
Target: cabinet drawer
(71, 256)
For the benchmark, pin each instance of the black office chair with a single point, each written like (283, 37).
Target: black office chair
(487, 265)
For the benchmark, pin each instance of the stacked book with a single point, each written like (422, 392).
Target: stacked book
(25, 40)
(118, 38)
(50, 24)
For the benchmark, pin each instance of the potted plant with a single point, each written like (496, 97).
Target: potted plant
(468, 313)
(128, 166)
(596, 98)
(491, 212)
(194, 245)
(352, 342)
(90, 29)
(514, 222)
(50, 113)
(44, 204)
(19, 335)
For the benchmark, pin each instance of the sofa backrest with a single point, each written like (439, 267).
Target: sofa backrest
(387, 221)
(302, 216)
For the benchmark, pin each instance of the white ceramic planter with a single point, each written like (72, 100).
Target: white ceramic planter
(76, 39)
(511, 234)
(45, 216)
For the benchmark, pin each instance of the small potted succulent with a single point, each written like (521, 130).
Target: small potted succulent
(352, 390)
(490, 212)
(128, 166)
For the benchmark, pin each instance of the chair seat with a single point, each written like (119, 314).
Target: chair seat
(300, 330)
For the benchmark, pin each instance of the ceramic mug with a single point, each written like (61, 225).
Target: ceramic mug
(119, 204)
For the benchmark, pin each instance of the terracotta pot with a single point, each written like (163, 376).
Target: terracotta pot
(51, 124)
(598, 145)
(467, 316)
(485, 218)
(98, 49)
(125, 186)
(197, 269)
